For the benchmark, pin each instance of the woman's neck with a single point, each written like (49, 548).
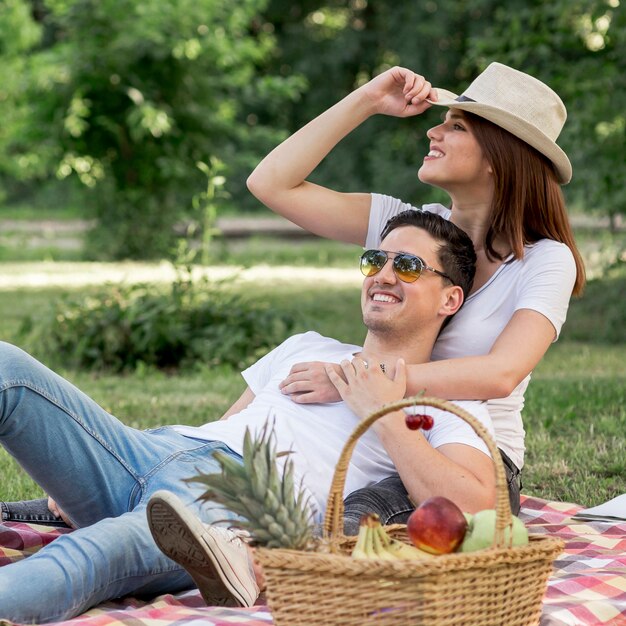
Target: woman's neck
(475, 219)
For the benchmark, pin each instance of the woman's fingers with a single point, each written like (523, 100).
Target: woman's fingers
(59, 513)
(53, 508)
(421, 90)
(410, 79)
(311, 372)
(308, 383)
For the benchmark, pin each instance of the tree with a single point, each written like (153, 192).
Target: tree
(579, 48)
(338, 45)
(131, 94)
(576, 46)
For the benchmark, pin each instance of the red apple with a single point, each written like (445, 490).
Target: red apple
(437, 526)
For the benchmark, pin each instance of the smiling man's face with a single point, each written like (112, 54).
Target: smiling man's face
(392, 307)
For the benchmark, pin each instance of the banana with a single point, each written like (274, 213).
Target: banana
(404, 551)
(399, 549)
(369, 543)
(373, 542)
(359, 551)
(379, 546)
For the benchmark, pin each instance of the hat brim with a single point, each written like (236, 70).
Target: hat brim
(516, 126)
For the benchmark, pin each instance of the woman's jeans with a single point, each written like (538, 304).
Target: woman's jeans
(390, 500)
(101, 473)
(30, 511)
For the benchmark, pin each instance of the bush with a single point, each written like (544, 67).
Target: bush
(600, 315)
(122, 327)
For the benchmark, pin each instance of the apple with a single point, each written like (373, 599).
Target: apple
(437, 526)
(482, 528)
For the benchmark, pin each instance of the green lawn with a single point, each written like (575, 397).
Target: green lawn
(575, 414)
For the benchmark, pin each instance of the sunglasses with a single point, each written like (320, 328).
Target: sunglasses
(407, 267)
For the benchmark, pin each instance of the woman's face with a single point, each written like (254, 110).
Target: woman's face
(455, 160)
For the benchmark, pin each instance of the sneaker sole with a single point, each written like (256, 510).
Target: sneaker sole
(182, 537)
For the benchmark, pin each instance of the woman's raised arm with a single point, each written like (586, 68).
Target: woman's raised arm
(279, 181)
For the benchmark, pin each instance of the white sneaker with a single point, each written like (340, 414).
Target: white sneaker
(215, 557)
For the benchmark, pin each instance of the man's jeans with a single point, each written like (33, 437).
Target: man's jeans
(101, 473)
(391, 501)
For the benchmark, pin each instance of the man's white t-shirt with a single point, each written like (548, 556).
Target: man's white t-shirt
(316, 433)
(542, 281)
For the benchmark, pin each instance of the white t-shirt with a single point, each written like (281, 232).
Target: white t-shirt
(316, 433)
(542, 281)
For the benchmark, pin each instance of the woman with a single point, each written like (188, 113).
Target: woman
(496, 156)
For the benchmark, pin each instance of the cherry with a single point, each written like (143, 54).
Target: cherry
(427, 422)
(413, 422)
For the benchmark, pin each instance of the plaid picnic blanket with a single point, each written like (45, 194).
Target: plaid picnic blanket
(588, 585)
(587, 588)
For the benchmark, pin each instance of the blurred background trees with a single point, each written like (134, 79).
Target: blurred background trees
(119, 102)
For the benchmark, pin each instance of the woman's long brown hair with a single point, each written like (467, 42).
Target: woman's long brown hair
(528, 203)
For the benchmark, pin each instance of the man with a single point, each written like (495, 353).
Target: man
(104, 472)
(403, 312)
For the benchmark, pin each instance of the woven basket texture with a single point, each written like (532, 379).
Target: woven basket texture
(500, 586)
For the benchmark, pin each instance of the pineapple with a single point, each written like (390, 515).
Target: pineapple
(273, 514)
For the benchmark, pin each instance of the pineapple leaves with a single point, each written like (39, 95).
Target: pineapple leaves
(274, 514)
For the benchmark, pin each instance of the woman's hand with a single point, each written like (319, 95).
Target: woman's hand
(366, 389)
(308, 383)
(399, 92)
(58, 513)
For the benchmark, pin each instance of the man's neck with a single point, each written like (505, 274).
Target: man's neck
(385, 350)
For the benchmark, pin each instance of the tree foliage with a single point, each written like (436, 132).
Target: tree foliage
(579, 48)
(576, 46)
(129, 96)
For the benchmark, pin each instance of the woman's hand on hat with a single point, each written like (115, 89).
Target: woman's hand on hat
(399, 92)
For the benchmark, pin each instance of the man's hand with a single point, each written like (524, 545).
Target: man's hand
(308, 383)
(57, 512)
(399, 92)
(366, 389)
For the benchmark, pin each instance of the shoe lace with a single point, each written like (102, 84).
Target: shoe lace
(232, 535)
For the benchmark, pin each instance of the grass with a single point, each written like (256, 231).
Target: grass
(575, 419)
(575, 414)
(38, 211)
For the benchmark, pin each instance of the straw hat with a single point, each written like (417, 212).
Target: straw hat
(519, 103)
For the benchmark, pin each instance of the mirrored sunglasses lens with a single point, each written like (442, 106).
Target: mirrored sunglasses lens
(372, 262)
(408, 267)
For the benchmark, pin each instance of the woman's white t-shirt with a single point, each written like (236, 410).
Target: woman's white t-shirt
(542, 281)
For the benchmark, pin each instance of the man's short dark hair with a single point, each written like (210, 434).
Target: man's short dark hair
(456, 250)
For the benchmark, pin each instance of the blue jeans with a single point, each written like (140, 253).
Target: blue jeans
(389, 498)
(30, 511)
(101, 473)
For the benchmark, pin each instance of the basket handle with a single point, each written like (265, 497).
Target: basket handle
(333, 519)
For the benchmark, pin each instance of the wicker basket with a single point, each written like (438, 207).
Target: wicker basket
(500, 586)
